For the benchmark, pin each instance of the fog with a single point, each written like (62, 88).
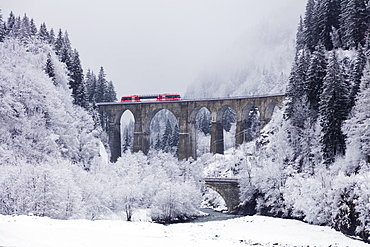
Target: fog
(159, 46)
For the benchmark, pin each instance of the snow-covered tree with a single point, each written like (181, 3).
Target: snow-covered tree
(59, 43)
(10, 22)
(333, 111)
(311, 35)
(354, 22)
(355, 76)
(2, 28)
(296, 85)
(49, 68)
(43, 32)
(357, 127)
(314, 80)
(327, 12)
(90, 81)
(300, 39)
(77, 83)
(104, 90)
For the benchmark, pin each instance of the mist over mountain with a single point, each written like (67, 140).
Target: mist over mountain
(259, 62)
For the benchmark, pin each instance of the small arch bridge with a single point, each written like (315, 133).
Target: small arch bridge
(229, 190)
(185, 112)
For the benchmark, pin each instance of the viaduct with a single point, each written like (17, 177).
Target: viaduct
(185, 112)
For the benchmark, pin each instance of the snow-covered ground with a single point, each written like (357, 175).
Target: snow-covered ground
(30, 231)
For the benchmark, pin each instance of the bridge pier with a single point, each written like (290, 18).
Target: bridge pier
(239, 133)
(138, 140)
(114, 136)
(184, 148)
(217, 138)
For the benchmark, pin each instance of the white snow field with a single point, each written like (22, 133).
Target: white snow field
(30, 231)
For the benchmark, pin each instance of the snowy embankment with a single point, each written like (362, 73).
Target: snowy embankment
(29, 231)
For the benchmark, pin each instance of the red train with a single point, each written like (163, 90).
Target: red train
(159, 97)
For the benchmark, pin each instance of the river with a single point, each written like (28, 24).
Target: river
(213, 216)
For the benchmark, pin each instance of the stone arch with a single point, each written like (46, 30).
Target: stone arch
(127, 130)
(217, 131)
(250, 123)
(118, 115)
(193, 129)
(148, 124)
(269, 111)
(229, 122)
(115, 133)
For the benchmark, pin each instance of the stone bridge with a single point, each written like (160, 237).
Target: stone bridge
(229, 190)
(185, 112)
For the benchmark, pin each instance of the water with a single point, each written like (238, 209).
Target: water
(213, 216)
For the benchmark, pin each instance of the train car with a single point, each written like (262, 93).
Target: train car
(167, 97)
(160, 97)
(133, 98)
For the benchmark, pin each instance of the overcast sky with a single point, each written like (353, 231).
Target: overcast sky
(151, 46)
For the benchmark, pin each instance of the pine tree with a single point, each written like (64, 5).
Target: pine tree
(101, 86)
(295, 88)
(110, 94)
(90, 86)
(252, 124)
(49, 68)
(327, 18)
(10, 22)
(333, 111)
(228, 118)
(206, 123)
(65, 55)
(357, 127)
(354, 22)
(127, 138)
(314, 80)
(43, 32)
(310, 34)
(2, 28)
(33, 28)
(25, 29)
(355, 76)
(16, 28)
(158, 145)
(300, 39)
(166, 138)
(52, 37)
(59, 43)
(77, 81)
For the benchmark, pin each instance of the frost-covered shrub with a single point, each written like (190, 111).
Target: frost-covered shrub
(43, 190)
(158, 182)
(176, 201)
(362, 206)
(344, 194)
(309, 199)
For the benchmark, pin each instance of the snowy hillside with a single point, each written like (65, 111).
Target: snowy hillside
(29, 231)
